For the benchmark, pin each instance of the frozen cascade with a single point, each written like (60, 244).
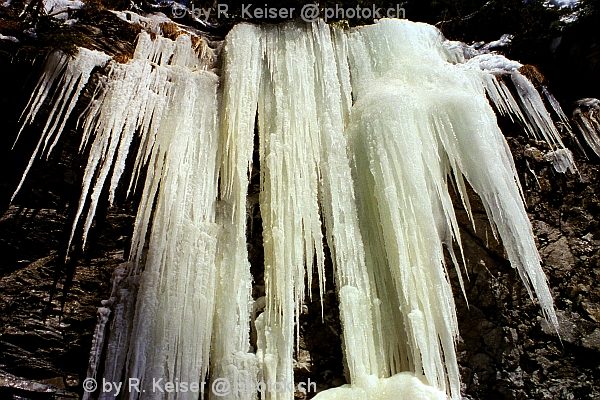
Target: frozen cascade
(165, 94)
(301, 140)
(231, 358)
(360, 133)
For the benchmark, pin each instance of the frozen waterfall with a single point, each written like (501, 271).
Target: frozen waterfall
(361, 133)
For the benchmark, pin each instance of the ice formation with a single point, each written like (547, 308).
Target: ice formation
(9, 38)
(402, 386)
(360, 134)
(561, 3)
(67, 77)
(60, 8)
(586, 117)
(527, 107)
(167, 97)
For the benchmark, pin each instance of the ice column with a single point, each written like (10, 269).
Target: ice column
(231, 356)
(417, 118)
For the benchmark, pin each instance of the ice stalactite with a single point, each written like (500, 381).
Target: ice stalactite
(360, 133)
(108, 307)
(526, 105)
(395, 301)
(164, 95)
(290, 176)
(358, 306)
(587, 119)
(175, 303)
(301, 143)
(305, 168)
(131, 100)
(231, 357)
(68, 77)
(416, 118)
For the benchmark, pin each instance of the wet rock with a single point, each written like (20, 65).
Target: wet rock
(19, 388)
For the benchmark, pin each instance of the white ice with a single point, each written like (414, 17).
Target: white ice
(67, 77)
(587, 118)
(360, 134)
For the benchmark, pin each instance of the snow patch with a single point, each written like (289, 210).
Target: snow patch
(402, 386)
(9, 38)
(60, 8)
(562, 3)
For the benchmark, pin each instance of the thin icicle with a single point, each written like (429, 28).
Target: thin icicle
(562, 160)
(586, 117)
(74, 75)
(540, 123)
(401, 187)
(528, 106)
(98, 342)
(171, 332)
(358, 302)
(131, 103)
(563, 120)
(409, 124)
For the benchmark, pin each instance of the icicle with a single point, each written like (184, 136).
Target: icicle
(562, 160)
(586, 119)
(231, 356)
(127, 104)
(540, 122)
(556, 107)
(122, 303)
(289, 159)
(325, 113)
(408, 124)
(528, 108)
(132, 102)
(171, 333)
(404, 206)
(100, 330)
(563, 120)
(74, 74)
(358, 301)
(97, 344)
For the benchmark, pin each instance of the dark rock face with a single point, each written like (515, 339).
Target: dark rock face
(47, 306)
(508, 351)
(47, 314)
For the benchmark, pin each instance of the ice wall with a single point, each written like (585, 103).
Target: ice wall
(360, 134)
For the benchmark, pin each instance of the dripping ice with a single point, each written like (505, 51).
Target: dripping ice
(586, 117)
(360, 133)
